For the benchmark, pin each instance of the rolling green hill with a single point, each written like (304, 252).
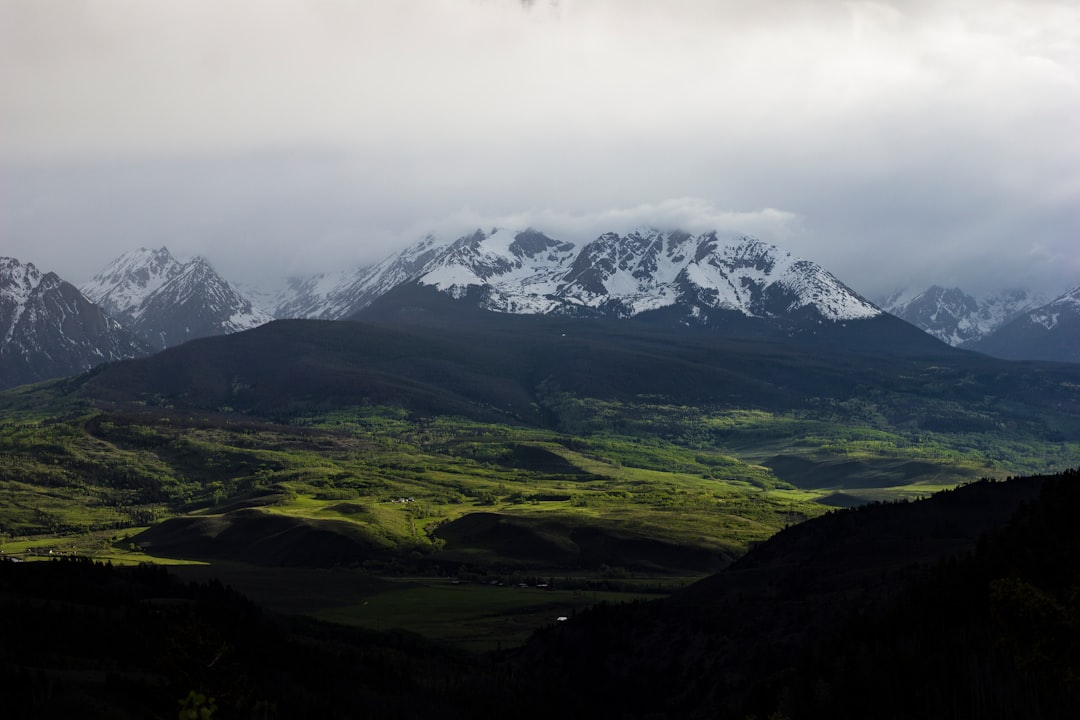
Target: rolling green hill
(429, 439)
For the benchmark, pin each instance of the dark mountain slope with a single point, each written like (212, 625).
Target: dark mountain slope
(290, 367)
(510, 367)
(414, 304)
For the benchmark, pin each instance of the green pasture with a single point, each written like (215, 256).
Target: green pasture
(688, 479)
(714, 478)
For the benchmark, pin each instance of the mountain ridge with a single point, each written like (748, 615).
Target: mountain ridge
(1049, 332)
(50, 329)
(528, 272)
(957, 317)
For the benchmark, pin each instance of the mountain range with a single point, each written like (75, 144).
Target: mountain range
(163, 302)
(144, 301)
(495, 377)
(956, 317)
(147, 300)
(615, 275)
(692, 279)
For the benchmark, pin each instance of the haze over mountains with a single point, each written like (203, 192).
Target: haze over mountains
(153, 301)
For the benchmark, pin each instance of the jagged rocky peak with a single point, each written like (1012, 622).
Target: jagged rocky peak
(482, 254)
(168, 301)
(645, 269)
(531, 244)
(128, 280)
(496, 259)
(1050, 315)
(959, 318)
(141, 266)
(622, 275)
(49, 329)
(17, 281)
(750, 253)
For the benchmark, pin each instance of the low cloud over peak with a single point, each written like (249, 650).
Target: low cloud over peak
(900, 141)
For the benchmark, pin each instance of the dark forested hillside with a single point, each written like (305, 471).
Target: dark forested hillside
(96, 641)
(963, 605)
(497, 367)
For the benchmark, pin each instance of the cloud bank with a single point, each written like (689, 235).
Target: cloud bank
(893, 143)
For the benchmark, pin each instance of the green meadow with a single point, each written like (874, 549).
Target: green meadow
(613, 492)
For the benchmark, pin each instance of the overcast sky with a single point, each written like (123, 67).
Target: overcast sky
(913, 142)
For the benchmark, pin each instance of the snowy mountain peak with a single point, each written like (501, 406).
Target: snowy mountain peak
(18, 282)
(529, 272)
(1070, 299)
(169, 301)
(1051, 314)
(501, 259)
(1048, 332)
(750, 253)
(646, 269)
(128, 280)
(50, 329)
(533, 244)
(957, 318)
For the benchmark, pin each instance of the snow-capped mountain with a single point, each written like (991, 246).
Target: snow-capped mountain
(626, 275)
(169, 302)
(957, 318)
(528, 272)
(49, 329)
(1049, 332)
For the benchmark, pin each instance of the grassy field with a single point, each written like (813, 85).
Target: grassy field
(398, 478)
(638, 490)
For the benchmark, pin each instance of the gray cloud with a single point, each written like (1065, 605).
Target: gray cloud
(893, 143)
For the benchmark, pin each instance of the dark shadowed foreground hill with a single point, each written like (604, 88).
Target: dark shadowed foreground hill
(963, 605)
